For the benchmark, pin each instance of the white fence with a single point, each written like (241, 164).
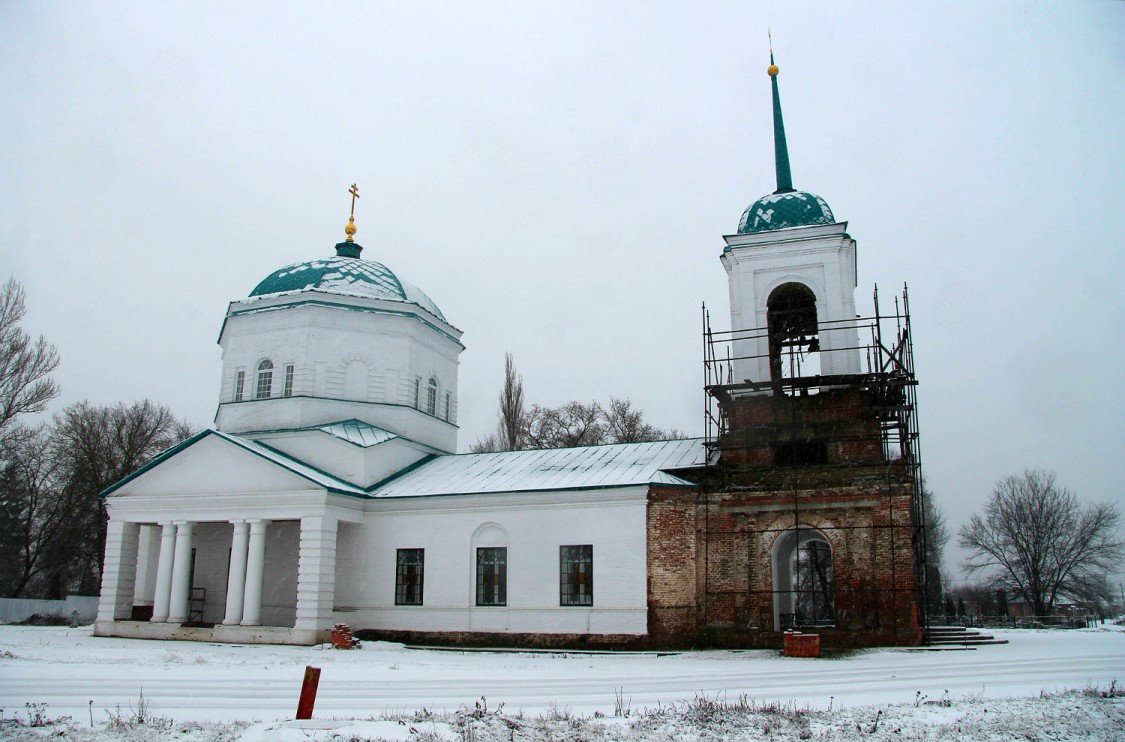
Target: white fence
(17, 609)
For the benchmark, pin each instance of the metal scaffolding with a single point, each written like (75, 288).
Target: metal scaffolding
(815, 446)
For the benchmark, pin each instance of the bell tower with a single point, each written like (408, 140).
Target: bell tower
(791, 269)
(814, 517)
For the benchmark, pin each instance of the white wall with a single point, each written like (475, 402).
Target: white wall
(820, 257)
(535, 525)
(363, 351)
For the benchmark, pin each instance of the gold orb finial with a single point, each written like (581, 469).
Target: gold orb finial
(772, 70)
(350, 229)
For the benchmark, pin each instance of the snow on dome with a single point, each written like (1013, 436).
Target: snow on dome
(785, 209)
(347, 277)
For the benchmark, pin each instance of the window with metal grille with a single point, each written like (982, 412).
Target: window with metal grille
(409, 576)
(287, 390)
(239, 383)
(417, 385)
(492, 575)
(265, 379)
(447, 406)
(576, 575)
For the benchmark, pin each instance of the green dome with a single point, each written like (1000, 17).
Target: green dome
(785, 209)
(346, 276)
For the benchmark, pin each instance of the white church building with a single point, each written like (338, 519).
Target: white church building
(330, 490)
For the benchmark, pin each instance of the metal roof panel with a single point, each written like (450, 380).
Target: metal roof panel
(616, 465)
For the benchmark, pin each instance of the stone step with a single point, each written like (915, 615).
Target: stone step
(958, 636)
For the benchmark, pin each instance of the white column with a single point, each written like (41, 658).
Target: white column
(181, 575)
(119, 571)
(146, 572)
(163, 592)
(236, 580)
(255, 571)
(316, 573)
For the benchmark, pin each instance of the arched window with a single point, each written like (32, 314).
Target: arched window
(804, 585)
(431, 397)
(793, 341)
(265, 380)
(490, 553)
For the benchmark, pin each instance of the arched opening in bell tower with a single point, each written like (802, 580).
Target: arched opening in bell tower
(794, 342)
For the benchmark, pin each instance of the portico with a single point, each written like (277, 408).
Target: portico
(214, 566)
(278, 586)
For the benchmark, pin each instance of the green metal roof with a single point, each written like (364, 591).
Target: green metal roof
(348, 276)
(788, 209)
(587, 467)
(551, 469)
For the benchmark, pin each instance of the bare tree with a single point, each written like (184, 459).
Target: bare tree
(513, 421)
(488, 444)
(626, 424)
(33, 512)
(1038, 541)
(95, 447)
(25, 366)
(573, 424)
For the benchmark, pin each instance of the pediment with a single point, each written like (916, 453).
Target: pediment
(213, 465)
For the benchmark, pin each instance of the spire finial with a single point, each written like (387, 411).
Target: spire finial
(780, 149)
(350, 229)
(772, 69)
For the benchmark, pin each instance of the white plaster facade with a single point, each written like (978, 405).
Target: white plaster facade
(271, 555)
(351, 357)
(279, 524)
(820, 257)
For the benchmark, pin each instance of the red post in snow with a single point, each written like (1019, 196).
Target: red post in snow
(308, 692)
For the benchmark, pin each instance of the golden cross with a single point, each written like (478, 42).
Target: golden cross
(355, 194)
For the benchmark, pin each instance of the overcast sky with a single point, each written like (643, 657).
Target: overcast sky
(558, 178)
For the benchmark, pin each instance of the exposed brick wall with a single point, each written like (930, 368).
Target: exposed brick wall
(672, 540)
(858, 501)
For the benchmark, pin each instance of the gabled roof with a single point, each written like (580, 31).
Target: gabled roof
(618, 465)
(587, 467)
(305, 471)
(301, 469)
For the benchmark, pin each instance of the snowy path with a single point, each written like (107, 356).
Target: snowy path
(67, 668)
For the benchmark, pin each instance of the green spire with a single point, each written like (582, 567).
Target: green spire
(780, 150)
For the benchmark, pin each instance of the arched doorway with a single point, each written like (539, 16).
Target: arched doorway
(804, 591)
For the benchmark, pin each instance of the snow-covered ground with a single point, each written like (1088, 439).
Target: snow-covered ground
(78, 675)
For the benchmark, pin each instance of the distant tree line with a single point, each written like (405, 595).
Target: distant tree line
(52, 522)
(569, 425)
(937, 538)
